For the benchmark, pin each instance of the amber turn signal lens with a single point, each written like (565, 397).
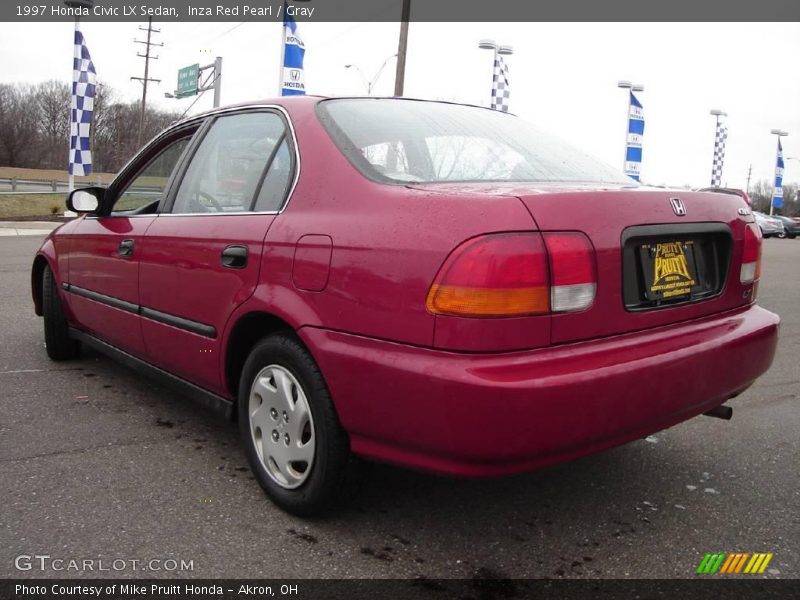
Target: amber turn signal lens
(484, 302)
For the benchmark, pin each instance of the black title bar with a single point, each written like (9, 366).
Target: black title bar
(32, 11)
(479, 587)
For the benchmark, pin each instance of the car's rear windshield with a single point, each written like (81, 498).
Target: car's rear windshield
(403, 141)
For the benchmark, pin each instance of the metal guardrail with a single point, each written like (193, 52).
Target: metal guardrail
(40, 193)
(13, 182)
(55, 187)
(52, 185)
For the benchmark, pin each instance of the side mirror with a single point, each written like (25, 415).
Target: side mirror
(85, 200)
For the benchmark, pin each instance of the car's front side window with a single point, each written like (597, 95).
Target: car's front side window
(149, 185)
(231, 163)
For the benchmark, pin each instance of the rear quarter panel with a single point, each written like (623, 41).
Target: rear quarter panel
(388, 242)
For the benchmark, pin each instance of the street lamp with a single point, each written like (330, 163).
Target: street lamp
(631, 87)
(715, 182)
(497, 48)
(371, 83)
(779, 133)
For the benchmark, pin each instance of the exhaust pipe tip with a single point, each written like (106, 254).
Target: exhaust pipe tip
(720, 412)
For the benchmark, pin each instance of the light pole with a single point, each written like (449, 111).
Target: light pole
(371, 82)
(631, 87)
(714, 182)
(779, 133)
(497, 49)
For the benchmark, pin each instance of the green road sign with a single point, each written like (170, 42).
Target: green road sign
(188, 78)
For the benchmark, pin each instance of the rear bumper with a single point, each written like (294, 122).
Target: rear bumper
(494, 414)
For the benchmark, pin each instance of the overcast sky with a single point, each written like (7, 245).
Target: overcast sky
(563, 77)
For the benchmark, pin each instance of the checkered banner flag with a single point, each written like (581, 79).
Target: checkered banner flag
(633, 140)
(719, 154)
(777, 194)
(83, 88)
(500, 87)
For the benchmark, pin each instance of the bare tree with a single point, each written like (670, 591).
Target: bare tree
(761, 195)
(35, 126)
(53, 100)
(19, 126)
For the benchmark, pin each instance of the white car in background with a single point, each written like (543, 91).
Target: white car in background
(770, 226)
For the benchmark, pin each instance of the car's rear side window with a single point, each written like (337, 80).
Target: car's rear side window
(233, 160)
(403, 141)
(277, 180)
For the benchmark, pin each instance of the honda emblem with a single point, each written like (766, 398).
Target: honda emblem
(678, 206)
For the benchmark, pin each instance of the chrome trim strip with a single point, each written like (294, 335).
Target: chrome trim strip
(208, 331)
(111, 301)
(179, 322)
(218, 214)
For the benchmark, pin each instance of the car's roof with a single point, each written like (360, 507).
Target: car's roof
(288, 102)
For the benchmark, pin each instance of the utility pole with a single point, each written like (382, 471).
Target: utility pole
(144, 80)
(400, 73)
(749, 173)
(217, 81)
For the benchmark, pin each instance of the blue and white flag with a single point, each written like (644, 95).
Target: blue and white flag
(293, 80)
(633, 141)
(777, 195)
(83, 89)
(501, 90)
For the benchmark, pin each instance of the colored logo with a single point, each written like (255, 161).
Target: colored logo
(732, 563)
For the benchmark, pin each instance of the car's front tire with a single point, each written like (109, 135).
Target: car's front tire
(58, 343)
(291, 433)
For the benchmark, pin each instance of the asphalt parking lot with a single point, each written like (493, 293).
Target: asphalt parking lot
(97, 462)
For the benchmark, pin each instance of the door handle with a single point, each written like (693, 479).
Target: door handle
(125, 248)
(234, 257)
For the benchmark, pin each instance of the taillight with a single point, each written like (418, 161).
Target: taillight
(572, 275)
(751, 257)
(498, 275)
(516, 274)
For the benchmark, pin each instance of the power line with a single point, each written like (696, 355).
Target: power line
(144, 80)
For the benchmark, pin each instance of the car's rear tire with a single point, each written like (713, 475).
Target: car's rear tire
(58, 343)
(296, 447)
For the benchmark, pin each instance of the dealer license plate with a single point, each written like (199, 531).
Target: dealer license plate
(669, 269)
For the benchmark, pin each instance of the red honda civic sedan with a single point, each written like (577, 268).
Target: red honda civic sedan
(439, 286)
